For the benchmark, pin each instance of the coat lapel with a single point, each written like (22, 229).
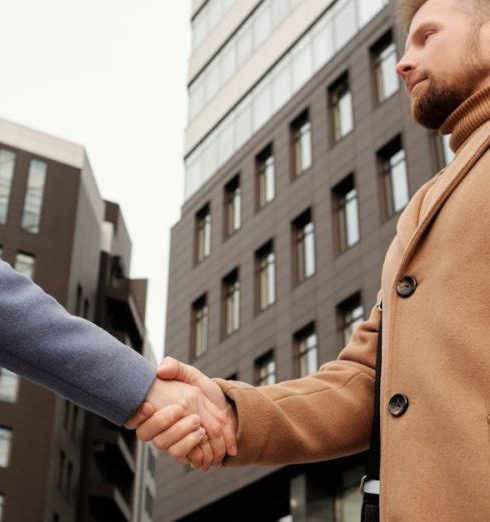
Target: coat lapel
(442, 188)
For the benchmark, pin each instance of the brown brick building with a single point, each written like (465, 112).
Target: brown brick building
(59, 463)
(292, 195)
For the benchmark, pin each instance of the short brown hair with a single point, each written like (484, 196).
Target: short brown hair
(406, 9)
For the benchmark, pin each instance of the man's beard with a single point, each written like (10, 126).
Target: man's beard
(442, 97)
(434, 106)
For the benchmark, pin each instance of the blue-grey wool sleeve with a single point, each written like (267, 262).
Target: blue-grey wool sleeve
(42, 342)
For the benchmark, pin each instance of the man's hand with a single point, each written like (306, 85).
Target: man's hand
(187, 400)
(176, 370)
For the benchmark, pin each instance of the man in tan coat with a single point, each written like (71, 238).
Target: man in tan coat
(435, 301)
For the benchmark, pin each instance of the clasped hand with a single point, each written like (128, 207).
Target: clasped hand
(187, 415)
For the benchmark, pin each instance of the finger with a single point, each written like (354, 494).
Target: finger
(208, 455)
(230, 440)
(180, 449)
(160, 421)
(145, 411)
(211, 420)
(195, 457)
(176, 432)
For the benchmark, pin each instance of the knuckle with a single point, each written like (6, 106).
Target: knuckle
(160, 444)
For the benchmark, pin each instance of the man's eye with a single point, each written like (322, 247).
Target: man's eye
(427, 36)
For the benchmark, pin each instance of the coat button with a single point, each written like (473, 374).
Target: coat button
(406, 286)
(398, 405)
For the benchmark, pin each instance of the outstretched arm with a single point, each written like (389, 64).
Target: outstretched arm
(322, 416)
(76, 359)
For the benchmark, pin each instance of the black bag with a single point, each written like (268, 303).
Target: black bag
(370, 503)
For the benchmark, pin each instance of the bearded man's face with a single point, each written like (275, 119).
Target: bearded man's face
(443, 63)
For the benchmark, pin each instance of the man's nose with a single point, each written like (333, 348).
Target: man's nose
(405, 66)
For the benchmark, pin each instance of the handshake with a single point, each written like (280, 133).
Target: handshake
(187, 414)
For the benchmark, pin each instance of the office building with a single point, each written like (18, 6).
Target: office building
(300, 154)
(59, 463)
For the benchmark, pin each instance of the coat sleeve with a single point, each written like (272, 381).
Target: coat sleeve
(322, 416)
(42, 342)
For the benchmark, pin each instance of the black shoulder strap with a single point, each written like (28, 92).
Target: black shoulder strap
(373, 460)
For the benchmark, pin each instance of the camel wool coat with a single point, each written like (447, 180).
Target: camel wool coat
(435, 457)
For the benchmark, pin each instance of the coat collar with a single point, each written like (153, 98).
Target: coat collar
(420, 214)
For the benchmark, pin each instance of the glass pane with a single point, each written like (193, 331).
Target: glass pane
(212, 80)
(323, 48)
(348, 507)
(346, 117)
(388, 82)
(228, 62)
(301, 64)
(226, 139)
(24, 264)
(279, 10)
(243, 124)
(262, 24)
(7, 164)
(9, 385)
(352, 218)
(448, 153)
(236, 308)
(192, 174)
(210, 157)
(244, 44)
(306, 146)
(271, 279)
(207, 235)
(399, 181)
(269, 179)
(214, 13)
(262, 106)
(198, 30)
(5, 444)
(34, 196)
(309, 250)
(345, 23)
(368, 9)
(281, 86)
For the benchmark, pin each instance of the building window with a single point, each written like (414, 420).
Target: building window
(69, 481)
(203, 233)
(233, 206)
(5, 446)
(265, 370)
(349, 314)
(9, 385)
(34, 196)
(307, 350)
(301, 139)
(7, 165)
(61, 470)
(266, 275)
(384, 61)
(24, 263)
(304, 245)
(231, 294)
(446, 154)
(393, 167)
(341, 107)
(266, 183)
(346, 214)
(148, 502)
(200, 315)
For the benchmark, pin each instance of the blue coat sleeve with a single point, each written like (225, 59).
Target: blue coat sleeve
(42, 342)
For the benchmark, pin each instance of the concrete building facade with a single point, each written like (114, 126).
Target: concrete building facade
(300, 155)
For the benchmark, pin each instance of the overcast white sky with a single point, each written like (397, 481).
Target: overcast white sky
(110, 75)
